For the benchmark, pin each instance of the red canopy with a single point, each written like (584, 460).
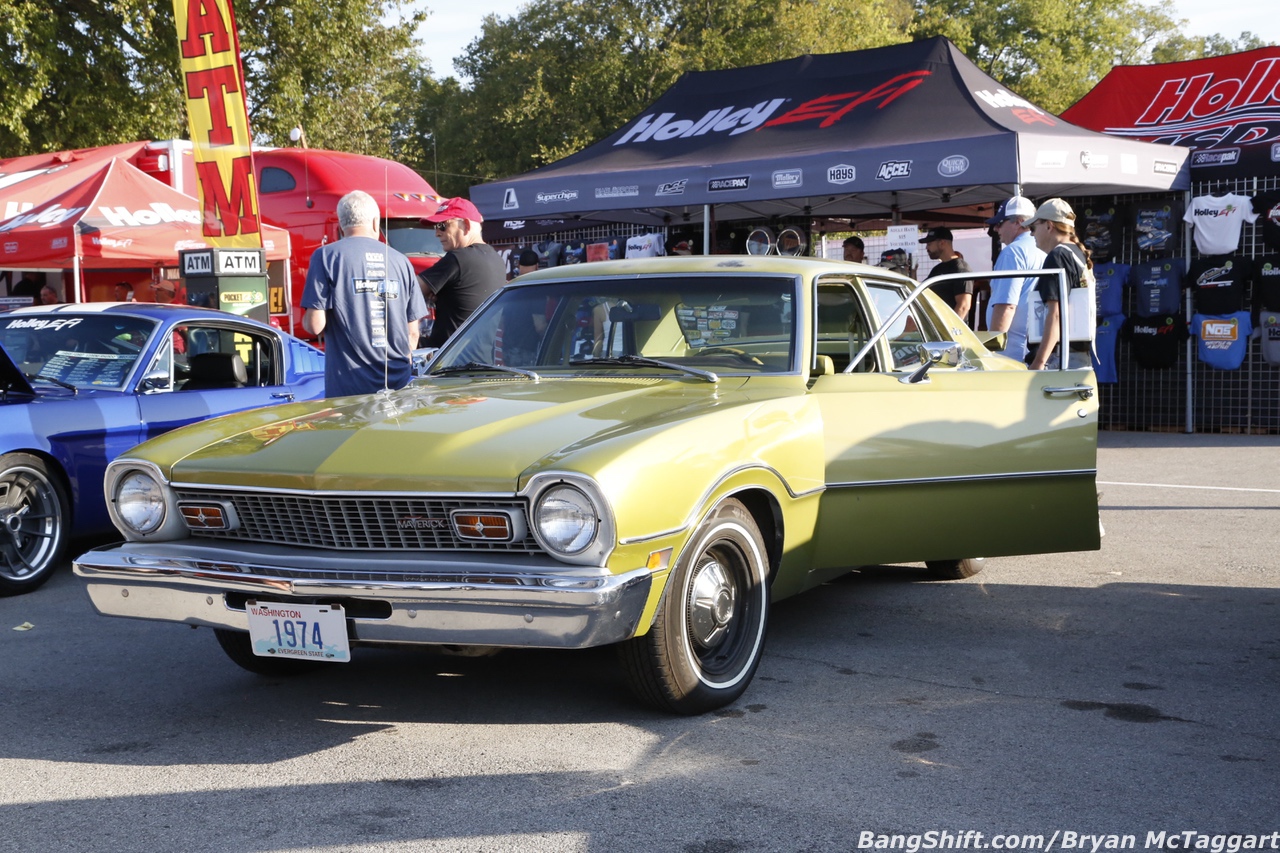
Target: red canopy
(36, 178)
(1225, 108)
(118, 217)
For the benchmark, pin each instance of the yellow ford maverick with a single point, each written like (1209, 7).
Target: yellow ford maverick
(642, 453)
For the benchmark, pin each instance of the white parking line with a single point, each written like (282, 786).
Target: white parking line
(1177, 486)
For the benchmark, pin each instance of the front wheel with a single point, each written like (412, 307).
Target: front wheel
(708, 634)
(954, 570)
(33, 522)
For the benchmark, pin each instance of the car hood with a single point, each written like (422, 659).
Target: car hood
(457, 435)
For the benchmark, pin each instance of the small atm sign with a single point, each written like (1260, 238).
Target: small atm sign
(222, 262)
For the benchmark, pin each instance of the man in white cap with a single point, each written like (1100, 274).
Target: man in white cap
(1006, 309)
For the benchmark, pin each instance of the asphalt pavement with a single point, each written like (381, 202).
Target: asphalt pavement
(1133, 691)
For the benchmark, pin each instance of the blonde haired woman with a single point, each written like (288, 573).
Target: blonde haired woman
(1053, 228)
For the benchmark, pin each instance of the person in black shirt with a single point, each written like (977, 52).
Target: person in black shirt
(468, 273)
(958, 293)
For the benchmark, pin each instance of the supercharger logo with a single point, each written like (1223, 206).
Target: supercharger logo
(732, 120)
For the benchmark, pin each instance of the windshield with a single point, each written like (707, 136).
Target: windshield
(412, 237)
(88, 351)
(721, 323)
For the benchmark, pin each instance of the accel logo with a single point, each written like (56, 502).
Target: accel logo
(893, 169)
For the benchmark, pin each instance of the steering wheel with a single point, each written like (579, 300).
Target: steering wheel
(740, 355)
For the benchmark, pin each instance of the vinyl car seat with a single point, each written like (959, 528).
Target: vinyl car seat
(211, 370)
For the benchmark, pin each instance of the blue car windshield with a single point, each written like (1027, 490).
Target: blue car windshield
(85, 350)
(726, 324)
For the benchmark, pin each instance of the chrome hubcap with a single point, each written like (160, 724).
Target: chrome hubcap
(712, 597)
(29, 522)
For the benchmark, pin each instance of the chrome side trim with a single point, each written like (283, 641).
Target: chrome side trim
(966, 478)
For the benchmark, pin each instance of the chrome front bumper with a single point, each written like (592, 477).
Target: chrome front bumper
(485, 599)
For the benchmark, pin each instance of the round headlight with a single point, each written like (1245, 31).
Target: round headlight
(140, 502)
(566, 520)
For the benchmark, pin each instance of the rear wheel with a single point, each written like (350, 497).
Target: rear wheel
(33, 522)
(237, 646)
(954, 570)
(708, 634)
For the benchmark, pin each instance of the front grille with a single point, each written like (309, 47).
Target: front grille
(349, 523)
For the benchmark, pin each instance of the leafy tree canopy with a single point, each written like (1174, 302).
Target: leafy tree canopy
(80, 73)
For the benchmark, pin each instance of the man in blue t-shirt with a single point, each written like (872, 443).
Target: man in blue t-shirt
(363, 296)
(1006, 310)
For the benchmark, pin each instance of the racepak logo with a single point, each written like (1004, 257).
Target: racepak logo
(739, 182)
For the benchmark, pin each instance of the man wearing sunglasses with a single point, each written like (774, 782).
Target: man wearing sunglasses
(466, 275)
(1007, 307)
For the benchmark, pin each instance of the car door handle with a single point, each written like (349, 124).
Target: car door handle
(1083, 391)
(285, 395)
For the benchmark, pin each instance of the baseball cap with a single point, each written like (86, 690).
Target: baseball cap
(528, 258)
(1016, 206)
(939, 233)
(681, 248)
(165, 284)
(893, 258)
(455, 208)
(1054, 210)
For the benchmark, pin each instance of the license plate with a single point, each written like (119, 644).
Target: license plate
(303, 631)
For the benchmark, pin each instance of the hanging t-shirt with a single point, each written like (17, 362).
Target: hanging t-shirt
(1104, 352)
(1224, 339)
(1267, 206)
(1099, 230)
(1266, 275)
(1217, 221)
(1110, 295)
(1219, 284)
(1157, 227)
(1157, 287)
(1269, 323)
(1154, 341)
(646, 246)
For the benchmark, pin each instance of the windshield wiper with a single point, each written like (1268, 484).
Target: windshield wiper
(644, 361)
(38, 378)
(473, 366)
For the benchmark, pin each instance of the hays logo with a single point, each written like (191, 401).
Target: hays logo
(953, 166)
(842, 174)
(509, 200)
(891, 169)
(786, 179)
(562, 195)
(739, 182)
(672, 187)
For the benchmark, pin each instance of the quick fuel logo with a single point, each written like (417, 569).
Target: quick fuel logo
(891, 169)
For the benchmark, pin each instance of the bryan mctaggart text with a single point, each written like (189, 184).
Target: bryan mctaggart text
(970, 839)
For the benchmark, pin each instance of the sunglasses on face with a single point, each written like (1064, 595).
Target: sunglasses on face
(444, 226)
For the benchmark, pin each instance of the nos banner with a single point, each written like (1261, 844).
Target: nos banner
(213, 83)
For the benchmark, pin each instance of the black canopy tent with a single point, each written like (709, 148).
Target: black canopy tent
(907, 128)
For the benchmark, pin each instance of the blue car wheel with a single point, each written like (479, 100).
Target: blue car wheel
(33, 523)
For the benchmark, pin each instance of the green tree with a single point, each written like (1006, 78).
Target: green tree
(80, 73)
(1049, 51)
(1179, 47)
(563, 74)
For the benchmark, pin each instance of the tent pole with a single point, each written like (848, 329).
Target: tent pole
(707, 225)
(76, 282)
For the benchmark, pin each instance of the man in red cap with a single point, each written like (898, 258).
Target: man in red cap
(466, 275)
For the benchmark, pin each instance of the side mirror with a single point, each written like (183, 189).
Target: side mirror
(157, 381)
(947, 353)
(421, 358)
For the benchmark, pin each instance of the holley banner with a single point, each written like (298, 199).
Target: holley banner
(213, 84)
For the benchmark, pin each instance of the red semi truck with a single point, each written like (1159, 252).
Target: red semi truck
(298, 190)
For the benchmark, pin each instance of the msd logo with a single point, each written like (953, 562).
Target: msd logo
(893, 169)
